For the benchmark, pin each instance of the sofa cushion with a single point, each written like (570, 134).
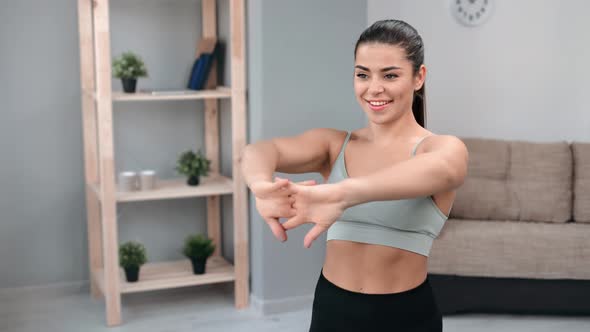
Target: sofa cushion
(581, 181)
(515, 180)
(506, 249)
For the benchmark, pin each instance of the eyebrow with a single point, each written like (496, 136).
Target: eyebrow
(382, 69)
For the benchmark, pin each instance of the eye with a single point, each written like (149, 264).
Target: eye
(390, 76)
(361, 75)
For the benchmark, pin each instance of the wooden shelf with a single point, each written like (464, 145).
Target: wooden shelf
(176, 188)
(218, 93)
(174, 274)
(96, 78)
(164, 275)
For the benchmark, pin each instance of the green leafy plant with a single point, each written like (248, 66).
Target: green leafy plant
(198, 246)
(132, 254)
(129, 65)
(193, 164)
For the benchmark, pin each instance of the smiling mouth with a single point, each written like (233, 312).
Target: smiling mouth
(378, 103)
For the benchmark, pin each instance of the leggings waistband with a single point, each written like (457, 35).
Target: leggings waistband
(424, 286)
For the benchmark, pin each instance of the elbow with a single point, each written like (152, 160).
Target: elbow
(454, 175)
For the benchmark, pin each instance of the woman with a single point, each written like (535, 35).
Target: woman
(388, 190)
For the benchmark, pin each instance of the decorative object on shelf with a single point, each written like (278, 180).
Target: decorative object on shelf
(471, 12)
(206, 51)
(132, 256)
(128, 67)
(127, 181)
(198, 248)
(194, 166)
(147, 180)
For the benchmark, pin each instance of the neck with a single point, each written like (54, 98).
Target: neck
(403, 128)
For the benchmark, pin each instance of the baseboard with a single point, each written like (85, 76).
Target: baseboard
(270, 307)
(54, 289)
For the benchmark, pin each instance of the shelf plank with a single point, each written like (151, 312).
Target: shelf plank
(212, 185)
(165, 275)
(219, 92)
(178, 188)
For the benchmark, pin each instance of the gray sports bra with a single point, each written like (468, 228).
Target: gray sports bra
(410, 224)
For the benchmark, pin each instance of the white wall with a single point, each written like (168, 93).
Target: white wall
(521, 75)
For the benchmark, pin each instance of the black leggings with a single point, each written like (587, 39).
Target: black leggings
(338, 309)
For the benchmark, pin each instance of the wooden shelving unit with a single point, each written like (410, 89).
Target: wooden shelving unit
(107, 278)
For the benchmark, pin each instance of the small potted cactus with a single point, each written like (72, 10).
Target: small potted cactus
(132, 256)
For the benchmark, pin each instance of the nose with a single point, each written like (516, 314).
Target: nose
(375, 87)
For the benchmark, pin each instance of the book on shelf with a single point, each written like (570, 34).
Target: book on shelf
(206, 54)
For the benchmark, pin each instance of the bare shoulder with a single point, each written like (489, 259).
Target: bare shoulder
(326, 133)
(449, 148)
(329, 136)
(333, 137)
(310, 151)
(443, 143)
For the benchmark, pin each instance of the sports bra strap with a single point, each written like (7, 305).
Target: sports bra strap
(348, 134)
(418, 143)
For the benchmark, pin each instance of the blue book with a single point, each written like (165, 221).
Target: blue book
(203, 70)
(193, 80)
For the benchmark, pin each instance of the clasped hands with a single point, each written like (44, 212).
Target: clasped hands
(301, 203)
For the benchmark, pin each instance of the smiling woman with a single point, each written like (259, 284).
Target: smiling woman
(388, 190)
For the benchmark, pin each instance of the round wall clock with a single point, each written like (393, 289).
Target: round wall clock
(471, 12)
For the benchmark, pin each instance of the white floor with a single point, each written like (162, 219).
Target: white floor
(209, 308)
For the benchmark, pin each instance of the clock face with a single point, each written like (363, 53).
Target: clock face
(471, 12)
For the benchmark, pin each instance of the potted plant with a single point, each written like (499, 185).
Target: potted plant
(198, 248)
(132, 256)
(193, 165)
(128, 67)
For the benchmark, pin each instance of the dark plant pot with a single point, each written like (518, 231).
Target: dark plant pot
(132, 273)
(129, 84)
(199, 265)
(193, 181)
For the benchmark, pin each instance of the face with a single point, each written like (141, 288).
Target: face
(384, 81)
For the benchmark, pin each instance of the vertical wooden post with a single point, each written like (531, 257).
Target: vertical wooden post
(89, 141)
(209, 17)
(238, 105)
(108, 208)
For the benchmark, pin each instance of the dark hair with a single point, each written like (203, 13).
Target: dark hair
(400, 33)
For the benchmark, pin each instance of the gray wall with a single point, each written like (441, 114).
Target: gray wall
(300, 76)
(521, 75)
(42, 234)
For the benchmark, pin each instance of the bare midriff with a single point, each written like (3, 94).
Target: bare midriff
(373, 269)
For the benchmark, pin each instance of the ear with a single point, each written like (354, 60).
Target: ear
(419, 78)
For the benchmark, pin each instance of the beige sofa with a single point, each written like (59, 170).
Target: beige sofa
(518, 237)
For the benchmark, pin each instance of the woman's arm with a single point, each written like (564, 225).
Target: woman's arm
(305, 153)
(308, 152)
(442, 166)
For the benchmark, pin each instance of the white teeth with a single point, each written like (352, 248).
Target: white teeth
(378, 103)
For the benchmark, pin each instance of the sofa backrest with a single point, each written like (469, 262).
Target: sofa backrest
(581, 181)
(516, 180)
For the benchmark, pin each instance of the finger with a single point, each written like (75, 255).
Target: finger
(277, 230)
(307, 183)
(293, 222)
(285, 191)
(278, 184)
(285, 211)
(312, 235)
